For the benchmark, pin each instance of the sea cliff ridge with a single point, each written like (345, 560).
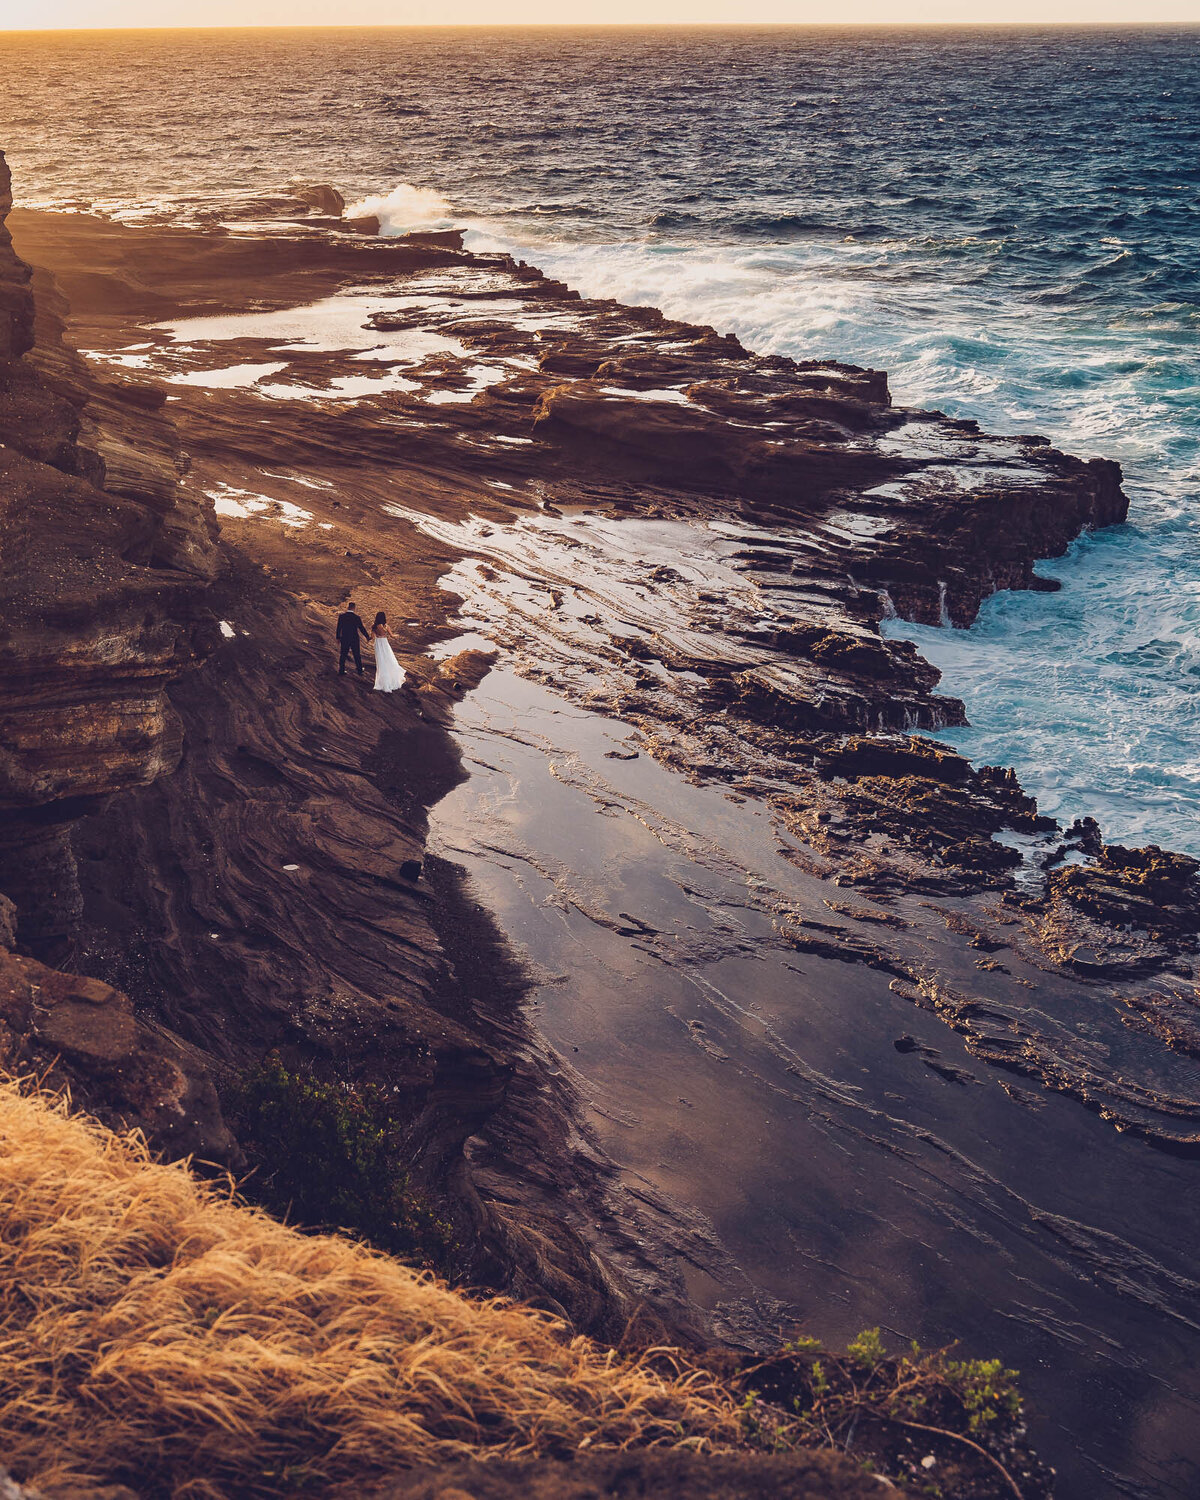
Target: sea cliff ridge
(212, 439)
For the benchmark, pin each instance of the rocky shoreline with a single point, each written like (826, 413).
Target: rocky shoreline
(660, 527)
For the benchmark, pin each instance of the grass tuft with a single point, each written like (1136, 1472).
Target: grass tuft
(157, 1333)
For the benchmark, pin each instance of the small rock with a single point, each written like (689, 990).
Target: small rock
(321, 197)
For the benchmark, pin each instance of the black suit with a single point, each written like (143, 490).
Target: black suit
(349, 628)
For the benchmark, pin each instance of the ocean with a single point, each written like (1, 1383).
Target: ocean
(1007, 220)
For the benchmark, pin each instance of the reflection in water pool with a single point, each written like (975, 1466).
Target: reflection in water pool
(808, 1171)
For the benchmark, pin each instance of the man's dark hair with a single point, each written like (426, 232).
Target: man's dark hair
(352, 605)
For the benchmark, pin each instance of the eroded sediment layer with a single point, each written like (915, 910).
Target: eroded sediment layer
(682, 554)
(261, 892)
(98, 617)
(777, 511)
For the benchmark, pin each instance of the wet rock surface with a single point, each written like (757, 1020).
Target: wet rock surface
(627, 556)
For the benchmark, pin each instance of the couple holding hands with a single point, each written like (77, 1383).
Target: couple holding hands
(389, 674)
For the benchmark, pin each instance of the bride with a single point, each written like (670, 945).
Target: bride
(389, 674)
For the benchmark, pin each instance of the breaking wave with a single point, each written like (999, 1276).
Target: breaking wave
(403, 209)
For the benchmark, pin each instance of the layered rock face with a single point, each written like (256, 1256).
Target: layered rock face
(113, 589)
(93, 628)
(16, 305)
(98, 615)
(659, 528)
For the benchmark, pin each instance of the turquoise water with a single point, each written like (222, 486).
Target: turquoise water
(1005, 220)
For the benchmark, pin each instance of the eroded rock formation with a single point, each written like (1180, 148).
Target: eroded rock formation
(93, 627)
(309, 932)
(665, 530)
(98, 617)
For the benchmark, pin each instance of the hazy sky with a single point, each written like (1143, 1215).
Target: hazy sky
(20, 14)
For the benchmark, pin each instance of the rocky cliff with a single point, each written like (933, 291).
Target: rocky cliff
(94, 628)
(113, 587)
(660, 529)
(99, 616)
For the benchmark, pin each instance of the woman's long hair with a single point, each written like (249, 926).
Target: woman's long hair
(380, 619)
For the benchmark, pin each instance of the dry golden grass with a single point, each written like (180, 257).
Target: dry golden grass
(156, 1334)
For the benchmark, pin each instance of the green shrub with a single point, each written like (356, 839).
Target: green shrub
(331, 1156)
(867, 1349)
(888, 1408)
(985, 1388)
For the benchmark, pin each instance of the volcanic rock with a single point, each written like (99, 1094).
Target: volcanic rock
(322, 198)
(94, 627)
(83, 1033)
(672, 534)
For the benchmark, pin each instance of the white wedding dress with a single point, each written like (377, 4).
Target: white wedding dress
(389, 674)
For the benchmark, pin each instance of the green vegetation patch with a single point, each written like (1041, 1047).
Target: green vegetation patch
(943, 1427)
(332, 1156)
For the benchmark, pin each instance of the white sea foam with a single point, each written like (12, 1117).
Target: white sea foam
(405, 208)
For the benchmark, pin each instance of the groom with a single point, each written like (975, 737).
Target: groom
(349, 628)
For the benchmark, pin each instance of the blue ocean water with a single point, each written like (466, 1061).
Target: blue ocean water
(1007, 220)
